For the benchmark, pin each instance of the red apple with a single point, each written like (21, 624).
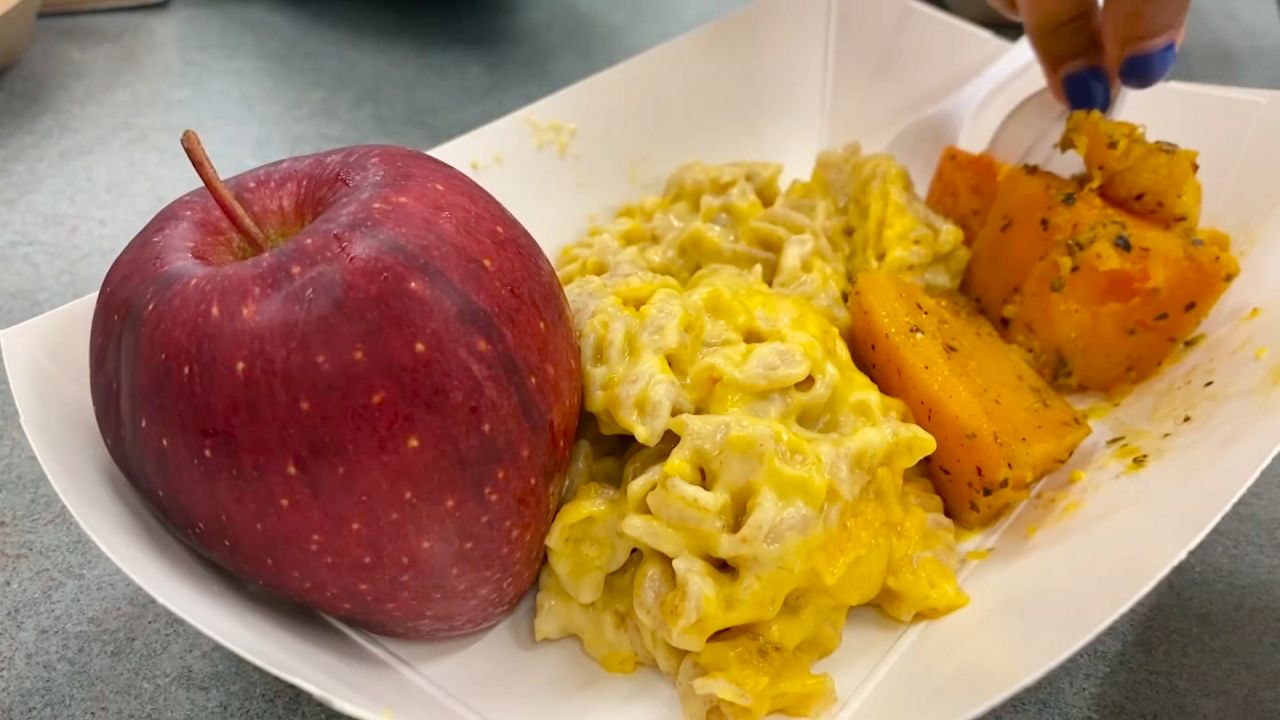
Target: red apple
(359, 391)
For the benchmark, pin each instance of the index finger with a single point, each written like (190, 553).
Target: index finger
(1141, 38)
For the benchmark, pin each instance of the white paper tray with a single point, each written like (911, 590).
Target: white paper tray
(776, 81)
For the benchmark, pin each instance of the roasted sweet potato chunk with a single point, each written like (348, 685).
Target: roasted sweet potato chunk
(963, 186)
(1097, 296)
(999, 425)
(1155, 181)
(1031, 214)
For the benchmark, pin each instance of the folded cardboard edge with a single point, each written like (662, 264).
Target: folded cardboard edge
(1123, 608)
(992, 537)
(374, 647)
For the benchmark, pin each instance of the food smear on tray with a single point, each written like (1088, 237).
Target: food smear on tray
(553, 134)
(790, 395)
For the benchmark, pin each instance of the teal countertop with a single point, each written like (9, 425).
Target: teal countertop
(89, 123)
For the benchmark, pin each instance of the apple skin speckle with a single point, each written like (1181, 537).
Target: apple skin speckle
(441, 267)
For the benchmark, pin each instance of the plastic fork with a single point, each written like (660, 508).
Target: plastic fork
(919, 143)
(1027, 134)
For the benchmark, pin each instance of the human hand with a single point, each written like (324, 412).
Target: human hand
(1087, 50)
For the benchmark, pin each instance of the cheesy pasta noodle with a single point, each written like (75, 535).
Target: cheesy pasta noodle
(738, 484)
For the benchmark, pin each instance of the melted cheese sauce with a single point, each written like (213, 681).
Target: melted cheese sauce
(738, 484)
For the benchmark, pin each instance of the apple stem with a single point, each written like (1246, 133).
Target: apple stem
(222, 194)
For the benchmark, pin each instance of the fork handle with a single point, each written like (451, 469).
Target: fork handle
(1008, 66)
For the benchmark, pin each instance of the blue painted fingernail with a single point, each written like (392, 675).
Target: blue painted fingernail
(1088, 88)
(1147, 69)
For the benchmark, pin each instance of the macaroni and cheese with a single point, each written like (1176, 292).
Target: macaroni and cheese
(738, 484)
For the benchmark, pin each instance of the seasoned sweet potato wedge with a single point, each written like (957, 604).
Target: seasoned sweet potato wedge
(962, 188)
(1097, 296)
(999, 425)
(1032, 214)
(1110, 309)
(1155, 181)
